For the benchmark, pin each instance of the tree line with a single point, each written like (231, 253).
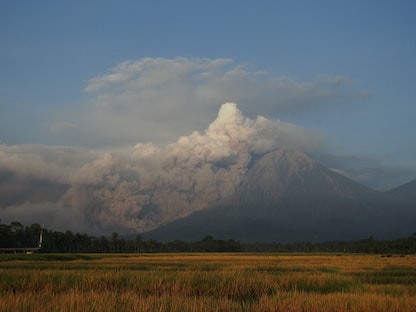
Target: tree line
(399, 246)
(15, 235)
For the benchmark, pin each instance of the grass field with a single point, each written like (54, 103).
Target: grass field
(207, 282)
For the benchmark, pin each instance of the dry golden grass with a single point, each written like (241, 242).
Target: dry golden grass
(209, 282)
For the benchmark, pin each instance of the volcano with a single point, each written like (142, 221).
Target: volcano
(286, 196)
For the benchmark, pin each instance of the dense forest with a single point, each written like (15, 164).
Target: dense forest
(15, 235)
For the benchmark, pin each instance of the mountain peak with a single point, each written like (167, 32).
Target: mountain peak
(286, 196)
(288, 158)
(270, 175)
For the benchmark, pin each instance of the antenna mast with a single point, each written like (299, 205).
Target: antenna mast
(40, 237)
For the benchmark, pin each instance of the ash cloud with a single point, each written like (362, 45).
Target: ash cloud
(143, 186)
(160, 99)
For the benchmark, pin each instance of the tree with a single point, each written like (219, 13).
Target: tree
(33, 232)
(139, 243)
(102, 245)
(114, 242)
(68, 241)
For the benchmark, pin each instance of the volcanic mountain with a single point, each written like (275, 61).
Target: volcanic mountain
(286, 196)
(405, 192)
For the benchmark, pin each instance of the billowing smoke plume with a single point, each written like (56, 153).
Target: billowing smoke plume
(141, 187)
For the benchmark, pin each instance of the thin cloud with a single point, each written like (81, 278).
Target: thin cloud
(64, 127)
(368, 170)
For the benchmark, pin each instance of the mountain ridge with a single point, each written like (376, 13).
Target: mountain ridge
(405, 191)
(286, 196)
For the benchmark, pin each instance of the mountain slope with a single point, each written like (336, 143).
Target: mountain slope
(285, 197)
(405, 192)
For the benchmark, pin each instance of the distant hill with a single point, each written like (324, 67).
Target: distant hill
(405, 192)
(286, 196)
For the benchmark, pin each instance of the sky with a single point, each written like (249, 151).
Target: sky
(109, 75)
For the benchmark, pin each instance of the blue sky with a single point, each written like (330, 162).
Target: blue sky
(343, 70)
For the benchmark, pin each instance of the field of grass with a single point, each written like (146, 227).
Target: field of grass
(207, 282)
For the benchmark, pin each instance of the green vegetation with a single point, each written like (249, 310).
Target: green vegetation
(207, 282)
(16, 235)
